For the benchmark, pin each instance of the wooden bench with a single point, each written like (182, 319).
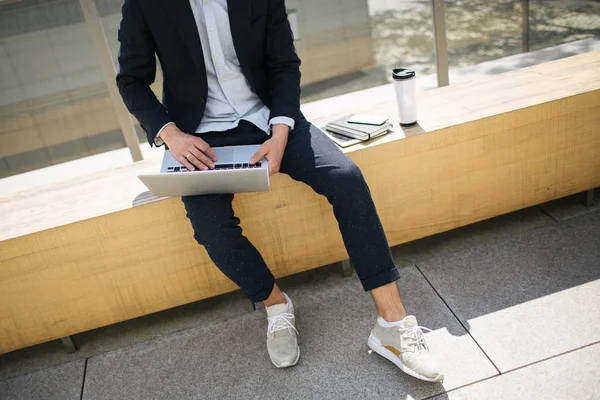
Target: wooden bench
(77, 256)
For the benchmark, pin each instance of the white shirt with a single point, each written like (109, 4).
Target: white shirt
(230, 98)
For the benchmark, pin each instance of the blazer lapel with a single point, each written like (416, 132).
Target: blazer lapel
(181, 16)
(239, 21)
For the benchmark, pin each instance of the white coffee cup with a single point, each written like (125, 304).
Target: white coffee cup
(405, 86)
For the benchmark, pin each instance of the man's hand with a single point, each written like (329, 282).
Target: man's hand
(189, 150)
(273, 148)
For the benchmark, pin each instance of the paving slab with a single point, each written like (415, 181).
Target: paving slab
(490, 230)
(229, 360)
(60, 382)
(126, 333)
(529, 297)
(574, 375)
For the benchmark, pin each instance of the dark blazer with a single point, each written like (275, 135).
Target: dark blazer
(262, 39)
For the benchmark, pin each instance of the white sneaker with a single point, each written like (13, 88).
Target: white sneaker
(282, 341)
(405, 346)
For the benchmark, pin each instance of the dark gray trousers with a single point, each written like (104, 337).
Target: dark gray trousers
(309, 157)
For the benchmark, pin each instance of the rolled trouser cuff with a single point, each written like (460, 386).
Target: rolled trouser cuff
(381, 279)
(264, 292)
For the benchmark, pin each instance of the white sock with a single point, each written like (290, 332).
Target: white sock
(387, 324)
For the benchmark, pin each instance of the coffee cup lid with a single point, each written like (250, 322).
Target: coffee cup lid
(402, 73)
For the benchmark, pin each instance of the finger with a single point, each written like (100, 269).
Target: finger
(263, 150)
(185, 162)
(202, 158)
(194, 160)
(204, 148)
(273, 164)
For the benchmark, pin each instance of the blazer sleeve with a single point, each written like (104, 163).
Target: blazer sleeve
(137, 71)
(282, 63)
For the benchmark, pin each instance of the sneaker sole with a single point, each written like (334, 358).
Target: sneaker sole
(375, 345)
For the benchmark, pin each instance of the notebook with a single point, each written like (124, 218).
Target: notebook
(357, 131)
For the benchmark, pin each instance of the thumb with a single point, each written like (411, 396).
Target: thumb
(259, 154)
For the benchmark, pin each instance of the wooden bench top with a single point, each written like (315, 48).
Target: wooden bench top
(113, 190)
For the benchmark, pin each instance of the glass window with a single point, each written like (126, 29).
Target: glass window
(351, 45)
(481, 30)
(54, 102)
(555, 22)
(110, 17)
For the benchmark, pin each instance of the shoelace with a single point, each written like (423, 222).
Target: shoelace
(286, 322)
(415, 333)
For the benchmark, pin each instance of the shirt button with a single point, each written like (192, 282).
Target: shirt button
(212, 28)
(206, 1)
(217, 56)
(234, 102)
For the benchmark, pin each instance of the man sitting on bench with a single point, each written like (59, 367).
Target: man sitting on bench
(231, 77)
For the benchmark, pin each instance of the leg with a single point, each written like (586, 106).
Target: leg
(346, 268)
(312, 158)
(68, 344)
(388, 303)
(276, 297)
(589, 198)
(217, 229)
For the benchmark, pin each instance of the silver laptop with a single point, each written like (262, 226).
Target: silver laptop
(232, 174)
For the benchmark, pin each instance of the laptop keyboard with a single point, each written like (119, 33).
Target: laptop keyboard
(218, 167)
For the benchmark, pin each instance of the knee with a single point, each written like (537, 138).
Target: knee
(210, 232)
(347, 180)
(349, 176)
